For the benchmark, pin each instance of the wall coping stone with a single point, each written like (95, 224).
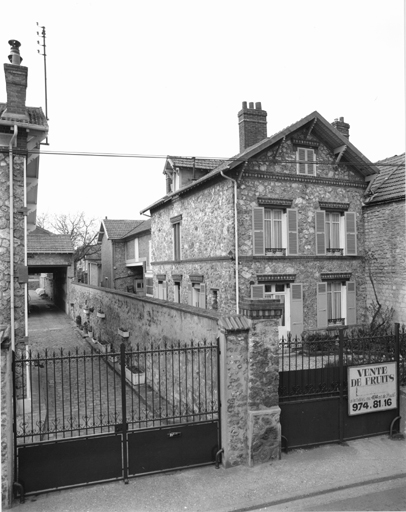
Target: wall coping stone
(205, 313)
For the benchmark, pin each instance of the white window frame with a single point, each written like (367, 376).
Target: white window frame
(333, 300)
(306, 158)
(149, 275)
(272, 220)
(328, 232)
(177, 292)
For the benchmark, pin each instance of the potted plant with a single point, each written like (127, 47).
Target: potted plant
(100, 313)
(124, 333)
(134, 375)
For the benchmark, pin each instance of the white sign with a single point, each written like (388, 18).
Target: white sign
(372, 388)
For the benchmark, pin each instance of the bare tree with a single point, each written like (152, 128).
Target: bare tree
(381, 318)
(83, 231)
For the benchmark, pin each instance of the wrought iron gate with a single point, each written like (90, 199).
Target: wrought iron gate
(313, 387)
(91, 416)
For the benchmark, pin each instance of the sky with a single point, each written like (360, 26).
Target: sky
(157, 78)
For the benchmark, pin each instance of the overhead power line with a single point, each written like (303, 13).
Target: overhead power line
(220, 160)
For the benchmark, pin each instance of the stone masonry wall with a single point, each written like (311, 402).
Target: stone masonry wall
(147, 319)
(7, 476)
(19, 293)
(207, 231)
(207, 227)
(385, 237)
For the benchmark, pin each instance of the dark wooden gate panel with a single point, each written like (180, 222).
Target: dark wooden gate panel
(69, 412)
(313, 387)
(310, 422)
(52, 465)
(169, 448)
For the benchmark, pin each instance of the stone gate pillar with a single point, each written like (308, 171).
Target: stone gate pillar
(251, 432)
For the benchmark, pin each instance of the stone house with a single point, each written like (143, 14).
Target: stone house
(384, 213)
(22, 129)
(125, 254)
(281, 220)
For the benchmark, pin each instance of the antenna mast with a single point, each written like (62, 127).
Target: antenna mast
(44, 54)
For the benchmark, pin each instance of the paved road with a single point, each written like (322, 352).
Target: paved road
(387, 494)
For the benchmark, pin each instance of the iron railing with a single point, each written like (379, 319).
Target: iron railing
(63, 394)
(314, 364)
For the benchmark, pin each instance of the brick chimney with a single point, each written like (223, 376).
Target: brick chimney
(252, 125)
(16, 84)
(342, 127)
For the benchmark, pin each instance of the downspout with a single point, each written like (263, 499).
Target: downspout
(26, 292)
(11, 206)
(236, 243)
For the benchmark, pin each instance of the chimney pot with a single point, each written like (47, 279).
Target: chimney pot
(244, 104)
(15, 57)
(258, 105)
(16, 85)
(251, 104)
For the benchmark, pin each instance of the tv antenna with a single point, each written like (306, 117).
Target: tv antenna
(44, 54)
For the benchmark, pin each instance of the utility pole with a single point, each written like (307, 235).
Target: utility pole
(44, 54)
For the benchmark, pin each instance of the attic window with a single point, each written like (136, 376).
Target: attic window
(306, 161)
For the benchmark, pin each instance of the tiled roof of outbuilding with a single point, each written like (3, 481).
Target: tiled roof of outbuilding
(389, 184)
(200, 163)
(116, 229)
(35, 114)
(144, 226)
(38, 242)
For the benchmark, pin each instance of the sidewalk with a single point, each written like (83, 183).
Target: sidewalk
(299, 473)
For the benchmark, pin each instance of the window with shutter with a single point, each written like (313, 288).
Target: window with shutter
(202, 296)
(350, 234)
(269, 231)
(293, 243)
(176, 242)
(258, 291)
(351, 304)
(322, 305)
(258, 231)
(190, 297)
(320, 233)
(306, 161)
(296, 309)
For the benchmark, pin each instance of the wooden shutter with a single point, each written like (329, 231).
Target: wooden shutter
(202, 296)
(301, 156)
(322, 320)
(311, 166)
(350, 234)
(258, 291)
(351, 304)
(165, 290)
(190, 295)
(293, 243)
(296, 309)
(258, 242)
(320, 232)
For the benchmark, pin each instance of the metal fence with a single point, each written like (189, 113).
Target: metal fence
(66, 394)
(325, 353)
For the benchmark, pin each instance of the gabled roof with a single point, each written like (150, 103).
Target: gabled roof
(36, 118)
(389, 184)
(117, 229)
(322, 129)
(41, 241)
(141, 228)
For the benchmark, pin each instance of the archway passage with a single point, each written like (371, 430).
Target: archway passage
(51, 257)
